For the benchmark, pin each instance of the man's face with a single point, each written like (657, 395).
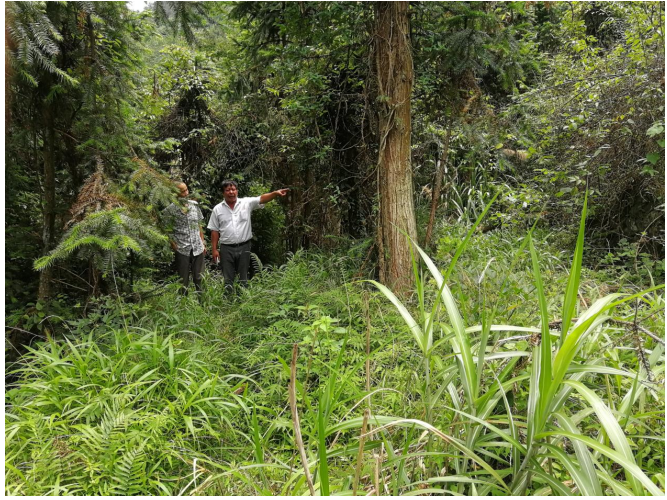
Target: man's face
(183, 191)
(230, 193)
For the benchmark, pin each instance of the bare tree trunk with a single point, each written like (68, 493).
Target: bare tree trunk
(394, 73)
(49, 208)
(294, 214)
(93, 278)
(440, 168)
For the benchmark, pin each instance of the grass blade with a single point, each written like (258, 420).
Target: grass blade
(322, 449)
(295, 419)
(614, 431)
(460, 341)
(498, 432)
(583, 455)
(545, 340)
(570, 300)
(462, 246)
(557, 487)
(571, 345)
(629, 465)
(407, 317)
(454, 442)
(581, 479)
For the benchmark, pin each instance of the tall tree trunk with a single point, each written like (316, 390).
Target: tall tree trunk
(49, 207)
(440, 168)
(394, 76)
(294, 213)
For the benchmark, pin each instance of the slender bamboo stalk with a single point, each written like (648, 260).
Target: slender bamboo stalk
(378, 463)
(295, 419)
(360, 453)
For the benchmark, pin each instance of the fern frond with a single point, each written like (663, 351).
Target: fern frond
(104, 233)
(36, 39)
(150, 186)
(129, 472)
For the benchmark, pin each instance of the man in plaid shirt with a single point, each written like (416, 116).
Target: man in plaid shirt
(183, 223)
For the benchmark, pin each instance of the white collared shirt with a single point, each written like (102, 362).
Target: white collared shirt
(233, 225)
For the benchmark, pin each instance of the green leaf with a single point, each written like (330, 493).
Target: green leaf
(584, 457)
(572, 291)
(460, 340)
(629, 465)
(656, 128)
(545, 342)
(407, 317)
(611, 426)
(557, 487)
(582, 480)
(653, 158)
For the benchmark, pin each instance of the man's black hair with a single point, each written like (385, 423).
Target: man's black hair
(229, 182)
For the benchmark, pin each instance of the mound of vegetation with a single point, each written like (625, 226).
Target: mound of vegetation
(309, 380)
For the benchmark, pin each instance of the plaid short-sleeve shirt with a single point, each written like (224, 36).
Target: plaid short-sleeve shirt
(183, 227)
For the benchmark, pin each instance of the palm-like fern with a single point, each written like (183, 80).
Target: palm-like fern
(129, 472)
(103, 234)
(102, 225)
(150, 187)
(181, 16)
(34, 40)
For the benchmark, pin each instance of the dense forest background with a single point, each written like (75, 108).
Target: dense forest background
(517, 118)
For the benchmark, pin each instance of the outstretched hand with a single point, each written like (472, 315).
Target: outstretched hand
(265, 198)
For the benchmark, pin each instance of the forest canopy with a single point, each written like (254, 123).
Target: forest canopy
(472, 240)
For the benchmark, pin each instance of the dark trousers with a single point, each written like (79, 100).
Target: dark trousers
(183, 265)
(235, 261)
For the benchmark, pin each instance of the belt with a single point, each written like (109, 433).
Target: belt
(234, 245)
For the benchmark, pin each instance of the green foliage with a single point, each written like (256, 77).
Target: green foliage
(35, 40)
(268, 227)
(120, 393)
(588, 124)
(153, 189)
(507, 371)
(181, 17)
(72, 111)
(130, 403)
(105, 236)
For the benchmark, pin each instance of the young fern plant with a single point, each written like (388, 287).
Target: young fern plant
(104, 228)
(150, 187)
(101, 235)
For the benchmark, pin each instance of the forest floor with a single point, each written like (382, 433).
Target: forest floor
(174, 395)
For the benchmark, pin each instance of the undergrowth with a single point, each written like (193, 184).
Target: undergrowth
(189, 395)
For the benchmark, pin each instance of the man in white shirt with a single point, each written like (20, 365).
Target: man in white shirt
(230, 225)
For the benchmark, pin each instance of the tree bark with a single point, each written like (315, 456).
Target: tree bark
(440, 168)
(49, 207)
(394, 77)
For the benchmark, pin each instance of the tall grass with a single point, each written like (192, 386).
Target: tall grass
(127, 410)
(548, 386)
(473, 386)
